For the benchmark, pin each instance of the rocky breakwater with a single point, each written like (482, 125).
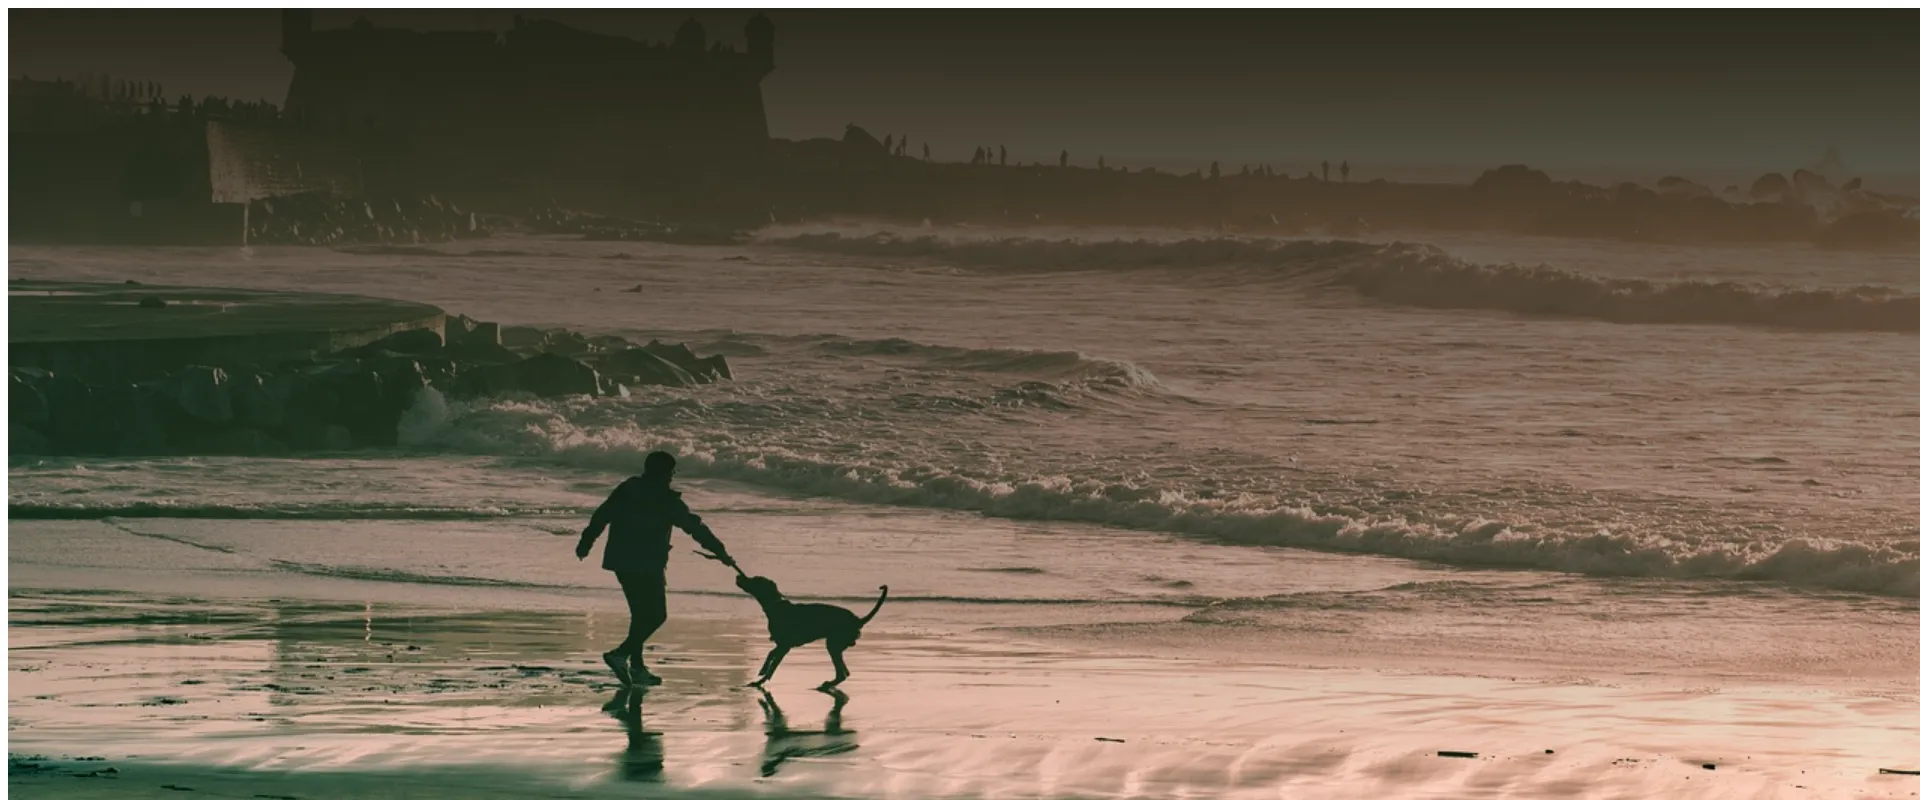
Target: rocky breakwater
(353, 398)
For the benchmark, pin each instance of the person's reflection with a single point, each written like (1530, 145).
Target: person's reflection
(784, 743)
(644, 758)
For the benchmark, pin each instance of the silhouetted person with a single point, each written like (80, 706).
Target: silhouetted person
(785, 744)
(1063, 158)
(903, 146)
(1101, 162)
(888, 144)
(1213, 171)
(1003, 155)
(1343, 171)
(979, 155)
(643, 511)
(1323, 171)
(926, 152)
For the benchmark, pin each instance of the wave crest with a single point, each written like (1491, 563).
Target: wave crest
(1058, 367)
(1419, 276)
(546, 432)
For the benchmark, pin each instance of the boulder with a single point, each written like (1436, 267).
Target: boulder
(77, 422)
(614, 386)
(679, 354)
(462, 329)
(26, 441)
(26, 404)
(371, 400)
(459, 327)
(551, 375)
(480, 352)
(568, 343)
(312, 402)
(261, 400)
(140, 418)
(200, 393)
(323, 438)
(417, 341)
(712, 368)
(646, 368)
(485, 333)
(521, 336)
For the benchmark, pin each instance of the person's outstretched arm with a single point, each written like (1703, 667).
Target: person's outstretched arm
(686, 520)
(601, 516)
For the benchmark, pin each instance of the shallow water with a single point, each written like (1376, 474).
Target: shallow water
(1182, 387)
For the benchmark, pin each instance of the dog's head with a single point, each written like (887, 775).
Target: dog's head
(762, 589)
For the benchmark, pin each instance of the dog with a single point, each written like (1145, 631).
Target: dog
(793, 624)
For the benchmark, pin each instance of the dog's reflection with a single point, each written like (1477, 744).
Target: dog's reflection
(644, 759)
(784, 743)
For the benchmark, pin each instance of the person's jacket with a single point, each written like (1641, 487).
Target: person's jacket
(643, 514)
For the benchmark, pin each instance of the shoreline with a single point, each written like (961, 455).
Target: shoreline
(431, 703)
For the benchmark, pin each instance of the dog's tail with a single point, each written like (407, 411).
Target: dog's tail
(876, 607)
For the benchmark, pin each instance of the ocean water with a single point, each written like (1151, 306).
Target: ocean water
(1469, 443)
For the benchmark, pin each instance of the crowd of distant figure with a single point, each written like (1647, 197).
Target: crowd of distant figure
(98, 95)
(988, 155)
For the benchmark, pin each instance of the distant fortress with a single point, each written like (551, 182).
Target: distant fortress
(398, 135)
(541, 98)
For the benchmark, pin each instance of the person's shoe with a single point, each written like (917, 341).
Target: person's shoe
(644, 677)
(618, 663)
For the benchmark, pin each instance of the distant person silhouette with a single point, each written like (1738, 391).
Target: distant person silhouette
(643, 511)
(926, 152)
(1101, 162)
(1213, 171)
(1003, 155)
(1063, 158)
(1343, 171)
(1323, 171)
(888, 144)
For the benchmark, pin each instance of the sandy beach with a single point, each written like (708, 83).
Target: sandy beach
(484, 691)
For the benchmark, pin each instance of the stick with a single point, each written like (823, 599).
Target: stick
(711, 557)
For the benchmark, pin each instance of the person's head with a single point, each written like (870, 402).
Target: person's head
(659, 465)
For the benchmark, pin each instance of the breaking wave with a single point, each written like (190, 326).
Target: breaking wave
(546, 432)
(1063, 366)
(1418, 276)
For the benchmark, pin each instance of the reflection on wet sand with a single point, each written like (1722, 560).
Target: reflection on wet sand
(645, 759)
(785, 744)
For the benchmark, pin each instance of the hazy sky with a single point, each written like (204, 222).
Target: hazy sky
(1701, 89)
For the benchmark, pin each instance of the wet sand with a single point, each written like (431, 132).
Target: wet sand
(162, 695)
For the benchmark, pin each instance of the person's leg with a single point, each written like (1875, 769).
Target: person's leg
(646, 592)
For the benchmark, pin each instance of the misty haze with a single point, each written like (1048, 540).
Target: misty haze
(963, 403)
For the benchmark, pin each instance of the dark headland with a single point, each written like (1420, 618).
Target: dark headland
(396, 135)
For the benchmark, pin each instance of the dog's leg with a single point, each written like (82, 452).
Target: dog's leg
(772, 663)
(840, 672)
